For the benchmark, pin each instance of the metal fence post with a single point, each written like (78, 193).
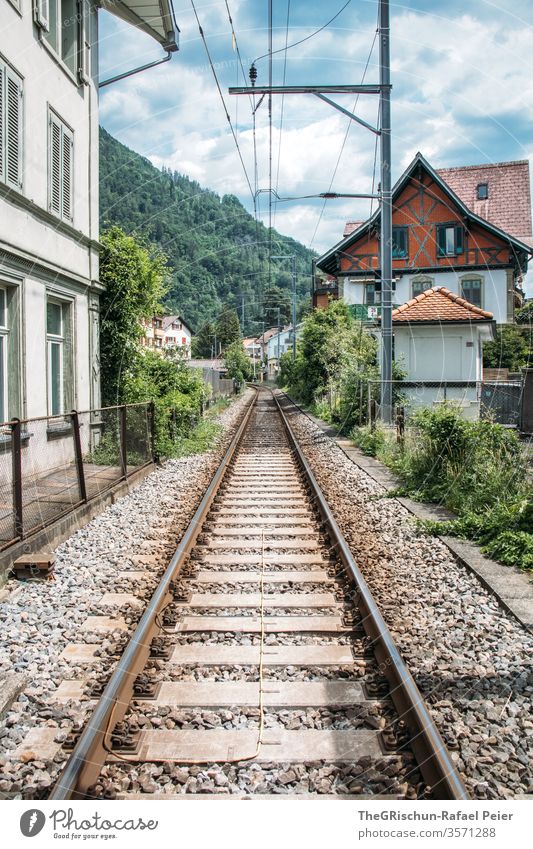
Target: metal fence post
(78, 455)
(16, 456)
(373, 413)
(400, 426)
(123, 437)
(151, 408)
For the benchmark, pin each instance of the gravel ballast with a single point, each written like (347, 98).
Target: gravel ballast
(469, 657)
(138, 533)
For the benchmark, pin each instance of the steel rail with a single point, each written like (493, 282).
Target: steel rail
(433, 758)
(90, 753)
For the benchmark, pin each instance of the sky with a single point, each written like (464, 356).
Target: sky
(462, 75)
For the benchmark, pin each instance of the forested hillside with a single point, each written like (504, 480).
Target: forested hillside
(217, 252)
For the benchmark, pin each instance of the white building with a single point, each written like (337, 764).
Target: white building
(169, 331)
(278, 344)
(49, 286)
(438, 342)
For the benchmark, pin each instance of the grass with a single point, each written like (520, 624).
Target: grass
(478, 470)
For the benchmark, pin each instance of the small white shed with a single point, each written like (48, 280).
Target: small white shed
(438, 341)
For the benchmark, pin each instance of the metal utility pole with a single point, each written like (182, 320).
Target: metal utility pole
(386, 214)
(382, 89)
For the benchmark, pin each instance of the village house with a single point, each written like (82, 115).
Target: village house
(49, 277)
(468, 229)
(164, 332)
(278, 344)
(461, 241)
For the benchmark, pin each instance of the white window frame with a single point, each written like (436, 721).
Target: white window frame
(4, 344)
(60, 339)
(43, 20)
(421, 279)
(469, 278)
(60, 168)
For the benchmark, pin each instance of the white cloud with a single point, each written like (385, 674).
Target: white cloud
(461, 83)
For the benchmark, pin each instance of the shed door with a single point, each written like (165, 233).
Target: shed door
(435, 357)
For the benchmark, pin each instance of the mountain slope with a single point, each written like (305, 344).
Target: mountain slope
(217, 252)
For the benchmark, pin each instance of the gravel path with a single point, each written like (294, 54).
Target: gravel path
(137, 533)
(469, 657)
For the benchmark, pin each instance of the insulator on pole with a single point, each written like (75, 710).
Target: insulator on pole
(253, 74)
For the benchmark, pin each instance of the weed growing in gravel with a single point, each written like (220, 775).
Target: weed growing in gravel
(476, 469)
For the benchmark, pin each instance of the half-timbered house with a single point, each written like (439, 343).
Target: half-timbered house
(440, 240)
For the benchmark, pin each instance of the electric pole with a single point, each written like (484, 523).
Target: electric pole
(386, 214)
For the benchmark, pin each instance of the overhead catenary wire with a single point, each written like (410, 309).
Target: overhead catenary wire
(307, 37)
(345, 139)
(282, 105)
(228, 118)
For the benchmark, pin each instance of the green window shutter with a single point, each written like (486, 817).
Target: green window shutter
(459, 240)
(54, 166)
(66, 173)
(441, 241)
(13, 129)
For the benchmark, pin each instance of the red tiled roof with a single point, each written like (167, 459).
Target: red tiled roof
(350, 226)
(508, 205)
(439, 304)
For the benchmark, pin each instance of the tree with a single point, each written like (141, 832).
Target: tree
(238, 363)
(202, 345)
(524, 315)
(135, 275)
(228, 328)
(510, 349)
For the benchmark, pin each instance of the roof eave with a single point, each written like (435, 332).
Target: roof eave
(169, 42)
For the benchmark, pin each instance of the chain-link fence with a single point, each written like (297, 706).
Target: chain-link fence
(52, 464)
(492, 401)
(414, 395)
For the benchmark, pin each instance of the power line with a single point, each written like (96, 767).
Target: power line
(346, 134)
(282, 103)
(307, 37)
(235, 139)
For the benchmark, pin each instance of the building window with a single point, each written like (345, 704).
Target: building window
(421, 284)
(59, 356)
(9, 354)
(482, 191)
(472, 290)
(450, 239)
(399, 242)
(4, 362)
(60, 168)
(62, 23)
(372, 294)
(10, 127)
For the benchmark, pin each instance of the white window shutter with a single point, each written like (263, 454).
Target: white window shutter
(13, 125)
(54, 168)
(84, 49)
(67, 144)
(2, 112)
(42, 14)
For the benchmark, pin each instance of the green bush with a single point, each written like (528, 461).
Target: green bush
(464, 465)
(370, 440)
(238, 364)
(476, 469)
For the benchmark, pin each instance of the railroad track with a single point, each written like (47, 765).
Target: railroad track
(263, 622)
